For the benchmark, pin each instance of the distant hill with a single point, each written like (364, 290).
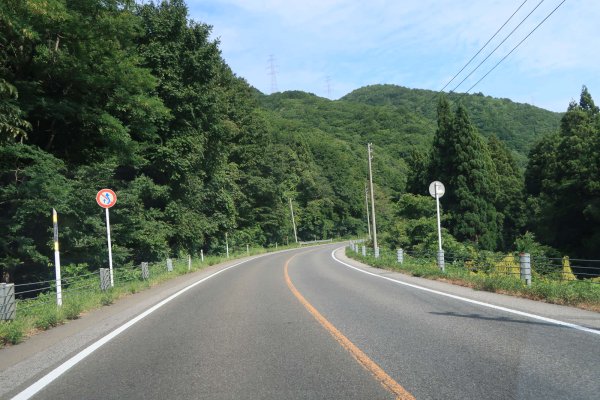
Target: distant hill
(397, 121)
(518, 125)
(356, 122)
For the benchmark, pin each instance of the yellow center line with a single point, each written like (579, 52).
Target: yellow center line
(378, 373)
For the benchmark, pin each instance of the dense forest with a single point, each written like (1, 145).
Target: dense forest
(137, 98)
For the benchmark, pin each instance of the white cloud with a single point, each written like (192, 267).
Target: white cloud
(408, 42)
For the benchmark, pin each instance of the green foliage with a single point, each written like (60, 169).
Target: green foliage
(462, 161)
(11, 332)
(510, 192)
(527, 243)
(72, 308)
(48, 316)
(415, 229)
(573, 293)
(563, 181)
(107, 298)
(12, 125)
(31, 184)
(518, 125)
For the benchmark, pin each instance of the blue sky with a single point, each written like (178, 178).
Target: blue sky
(413, 43)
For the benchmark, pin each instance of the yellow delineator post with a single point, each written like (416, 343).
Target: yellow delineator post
(57, 259)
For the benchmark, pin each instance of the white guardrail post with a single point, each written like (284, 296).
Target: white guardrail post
(104, 279)
(525, 264)
(145, 271)
(400, 256)
(440, 260)
(7, 301)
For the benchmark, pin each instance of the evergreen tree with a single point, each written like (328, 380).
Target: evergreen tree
(440, 168)
(462, 161)
(564, 179)
(510, 200)
(416, 180)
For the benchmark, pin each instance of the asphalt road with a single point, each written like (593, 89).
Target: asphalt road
(250, 333)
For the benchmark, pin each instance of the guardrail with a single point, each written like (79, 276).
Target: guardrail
(25, 297)
(304, 243)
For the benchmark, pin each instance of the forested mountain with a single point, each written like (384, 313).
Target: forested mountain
(137, 98)
(518, 125)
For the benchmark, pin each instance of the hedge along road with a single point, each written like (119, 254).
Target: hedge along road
(302, 325)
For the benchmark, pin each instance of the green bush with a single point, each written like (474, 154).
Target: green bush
(12, 332)
(543, 286)
(47, 317)
(72, 308)
(107, 298)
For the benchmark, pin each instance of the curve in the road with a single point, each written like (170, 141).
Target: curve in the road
(380, 375)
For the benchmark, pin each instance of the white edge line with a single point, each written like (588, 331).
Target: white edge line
(480, 303)
(64, 367)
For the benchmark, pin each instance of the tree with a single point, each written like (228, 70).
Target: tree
(462, 161)
(32, 182)
(416, 180)
(563, 180)
(12, 125)
(441, 167)
(510, 201)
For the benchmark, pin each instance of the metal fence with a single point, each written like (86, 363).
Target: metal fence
(25, 297)
(520, 265)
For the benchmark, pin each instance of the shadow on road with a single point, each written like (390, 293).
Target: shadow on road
(498, 319)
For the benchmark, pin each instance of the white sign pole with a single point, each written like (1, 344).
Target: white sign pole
(110, 263)
(439, 225)
(437, 190)
(106, 198)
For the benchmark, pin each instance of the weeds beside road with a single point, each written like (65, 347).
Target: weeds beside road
(581, 294)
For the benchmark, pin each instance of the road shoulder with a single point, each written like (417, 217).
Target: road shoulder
(588, 319)
(32, 358)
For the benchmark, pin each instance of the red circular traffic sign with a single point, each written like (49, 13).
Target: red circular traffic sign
(106, 198)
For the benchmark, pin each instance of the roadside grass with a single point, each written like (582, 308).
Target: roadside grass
(84, 295)
(581, 294)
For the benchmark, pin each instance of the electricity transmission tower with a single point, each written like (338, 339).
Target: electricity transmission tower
(273, 73)
(328, 81)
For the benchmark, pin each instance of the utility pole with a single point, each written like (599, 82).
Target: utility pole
(293, 220)
(375, 247)
(367, 208)
(226, 244)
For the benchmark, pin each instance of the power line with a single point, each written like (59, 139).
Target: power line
(514, 48)
(496, 48)
(483, 47)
